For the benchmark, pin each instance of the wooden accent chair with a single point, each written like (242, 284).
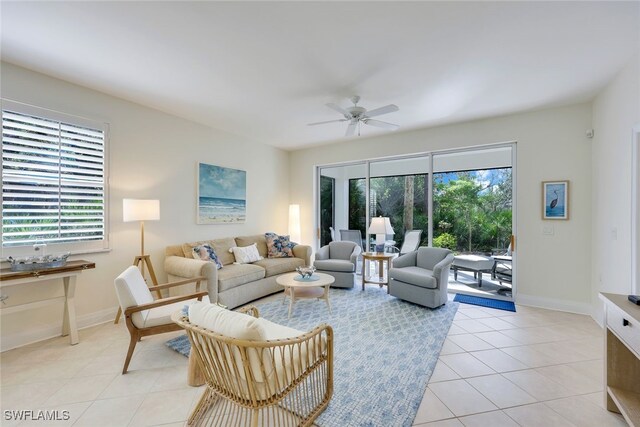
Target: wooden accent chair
(143, 315)
(258, 372)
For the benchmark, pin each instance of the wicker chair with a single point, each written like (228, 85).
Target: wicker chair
(280, 382)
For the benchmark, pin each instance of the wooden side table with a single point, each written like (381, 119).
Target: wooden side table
(380, 258)
(67, 273)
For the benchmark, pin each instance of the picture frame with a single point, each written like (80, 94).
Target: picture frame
(222, 195)
(555, 200)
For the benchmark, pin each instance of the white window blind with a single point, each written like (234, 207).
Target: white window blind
(53, 181)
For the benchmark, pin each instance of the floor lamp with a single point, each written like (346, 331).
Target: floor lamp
(141, 210)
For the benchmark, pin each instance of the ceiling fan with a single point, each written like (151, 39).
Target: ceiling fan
(356, 115)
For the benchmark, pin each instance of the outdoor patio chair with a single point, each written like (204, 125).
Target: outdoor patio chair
(411, 242)
(354, 236)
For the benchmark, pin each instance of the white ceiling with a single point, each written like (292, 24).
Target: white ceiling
(265, 69)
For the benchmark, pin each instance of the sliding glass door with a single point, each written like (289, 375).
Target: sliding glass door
(462, 200)
(473, 216)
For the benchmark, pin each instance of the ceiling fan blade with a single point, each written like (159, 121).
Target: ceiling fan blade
(338, 108)
(380, 124)
(351, 129)
(382, 110)
(327, 121)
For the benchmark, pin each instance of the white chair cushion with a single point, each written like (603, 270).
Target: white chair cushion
(132, 291)
(225, 322)
(162, 315)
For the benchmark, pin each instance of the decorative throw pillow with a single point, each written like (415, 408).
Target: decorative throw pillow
(279, 246)
(246, 254)
(205, 252)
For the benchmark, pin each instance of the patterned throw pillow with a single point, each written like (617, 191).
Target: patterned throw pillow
(279, 246)
(246, 254)
(205, 252)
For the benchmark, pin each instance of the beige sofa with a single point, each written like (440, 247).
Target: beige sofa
(233, 285)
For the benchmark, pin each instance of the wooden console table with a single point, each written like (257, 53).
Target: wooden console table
(67, 273)
(622, 357)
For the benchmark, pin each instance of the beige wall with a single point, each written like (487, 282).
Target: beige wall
(616, 110)
(152, 155)
(553, 271)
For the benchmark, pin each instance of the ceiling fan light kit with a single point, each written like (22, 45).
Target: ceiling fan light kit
(356, 115)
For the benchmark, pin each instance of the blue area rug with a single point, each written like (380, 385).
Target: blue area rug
(485, 302)
(385, 351)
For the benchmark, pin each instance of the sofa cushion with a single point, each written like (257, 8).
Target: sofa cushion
(233, 275)
(275, 266)
(205, 252)
(258, 239)
(222, 246)
(335, 265)
(415, 276)
(245, 254)
(278, 246)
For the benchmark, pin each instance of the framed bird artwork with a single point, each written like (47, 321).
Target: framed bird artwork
(555, 200)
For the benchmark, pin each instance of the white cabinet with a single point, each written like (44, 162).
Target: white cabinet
(622, 357)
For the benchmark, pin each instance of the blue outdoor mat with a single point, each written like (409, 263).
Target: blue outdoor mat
(485, 302)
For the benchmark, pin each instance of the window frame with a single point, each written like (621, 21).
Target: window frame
(74, 248)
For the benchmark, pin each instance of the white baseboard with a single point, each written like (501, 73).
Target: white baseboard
(554, 304)
(9, 342)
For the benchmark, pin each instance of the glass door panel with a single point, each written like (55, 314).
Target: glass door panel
(340, 204)
(473, 214)
(399, 191)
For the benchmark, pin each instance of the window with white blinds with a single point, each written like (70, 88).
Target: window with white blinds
(53, 181)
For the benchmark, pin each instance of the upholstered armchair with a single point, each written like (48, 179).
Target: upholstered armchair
(257, 372)
(421, 276)
(339, 260)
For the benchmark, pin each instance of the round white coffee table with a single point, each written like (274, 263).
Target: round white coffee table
(295, 289)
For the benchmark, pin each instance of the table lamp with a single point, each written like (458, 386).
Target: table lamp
(380, 226)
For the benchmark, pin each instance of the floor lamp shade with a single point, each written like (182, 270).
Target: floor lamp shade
(140, 210)
(294, 223)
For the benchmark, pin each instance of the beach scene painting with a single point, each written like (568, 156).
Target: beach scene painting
(222, 195)
(555, 198)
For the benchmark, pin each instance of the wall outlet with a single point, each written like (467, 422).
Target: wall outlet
(548, 230)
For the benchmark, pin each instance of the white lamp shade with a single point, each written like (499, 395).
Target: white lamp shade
(380, 225)
(140, 210)
(294, 223)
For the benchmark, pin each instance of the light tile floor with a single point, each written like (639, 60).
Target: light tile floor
(497, 368)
